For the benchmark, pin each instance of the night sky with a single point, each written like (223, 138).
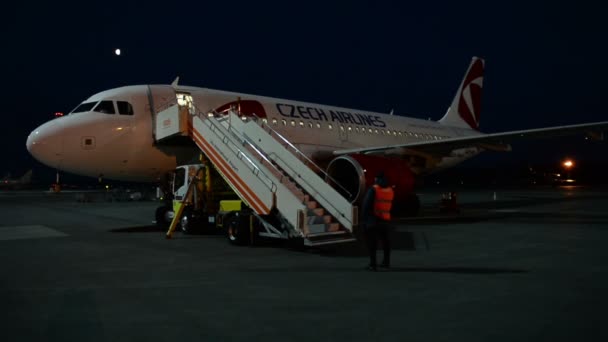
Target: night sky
(546, 62)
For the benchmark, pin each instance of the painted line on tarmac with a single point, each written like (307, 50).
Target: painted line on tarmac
(8, 233)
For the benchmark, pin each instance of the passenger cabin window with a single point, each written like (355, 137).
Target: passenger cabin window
(106, 107)
(124, 108)
(84, 107)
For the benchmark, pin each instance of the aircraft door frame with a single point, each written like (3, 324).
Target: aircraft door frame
(185, 99)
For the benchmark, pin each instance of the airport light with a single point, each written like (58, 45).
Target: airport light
(568, 164)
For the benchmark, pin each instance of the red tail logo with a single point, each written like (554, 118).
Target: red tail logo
(469, 104)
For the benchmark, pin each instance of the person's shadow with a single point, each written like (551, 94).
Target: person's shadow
(458, 270)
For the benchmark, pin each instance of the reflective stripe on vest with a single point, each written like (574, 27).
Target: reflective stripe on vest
(383, 202)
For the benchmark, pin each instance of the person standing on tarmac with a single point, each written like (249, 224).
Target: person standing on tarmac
(376, 217)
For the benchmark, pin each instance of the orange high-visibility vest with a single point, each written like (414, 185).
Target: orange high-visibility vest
(383, 202)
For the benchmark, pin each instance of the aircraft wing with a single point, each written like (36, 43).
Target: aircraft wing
(493, 141)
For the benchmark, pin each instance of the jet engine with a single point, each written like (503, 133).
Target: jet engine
(352, 175)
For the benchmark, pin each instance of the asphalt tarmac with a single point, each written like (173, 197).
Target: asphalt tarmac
(514, 265)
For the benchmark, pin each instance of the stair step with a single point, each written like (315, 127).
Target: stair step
(328, 242)
(332, 227)
(316, 219)
(297, 192)
(292, 187)
(325, 234)
(319, 228)
(316, 228)
(316, 212)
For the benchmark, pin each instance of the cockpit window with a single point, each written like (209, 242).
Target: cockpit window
(84, 107)
(124, 108)
(106, 107)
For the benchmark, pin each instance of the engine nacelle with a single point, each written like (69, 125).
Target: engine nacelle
(355, 173)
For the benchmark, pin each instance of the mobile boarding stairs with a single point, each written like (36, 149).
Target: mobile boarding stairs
(268, 173)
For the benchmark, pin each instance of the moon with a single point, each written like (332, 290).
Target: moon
(117, 52)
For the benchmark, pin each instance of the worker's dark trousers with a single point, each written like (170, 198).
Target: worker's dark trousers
(380, 231)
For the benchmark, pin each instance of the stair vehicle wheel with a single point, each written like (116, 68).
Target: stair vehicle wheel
(237, 231)
(163, 216)
(187, 224)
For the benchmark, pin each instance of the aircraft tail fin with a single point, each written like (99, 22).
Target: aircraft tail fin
(466, 105)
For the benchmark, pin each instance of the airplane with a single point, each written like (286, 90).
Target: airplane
(111, 134)
(16, 183)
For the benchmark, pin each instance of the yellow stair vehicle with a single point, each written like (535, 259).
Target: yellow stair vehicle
(277, 191)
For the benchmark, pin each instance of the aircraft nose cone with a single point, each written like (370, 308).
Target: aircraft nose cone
(31, 141)
(45, 143)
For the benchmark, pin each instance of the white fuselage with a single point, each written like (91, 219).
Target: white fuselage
(92, 142)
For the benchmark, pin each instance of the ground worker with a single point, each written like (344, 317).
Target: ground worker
(376, 217)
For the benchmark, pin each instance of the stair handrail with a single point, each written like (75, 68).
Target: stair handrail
(222, 116)
(301, 154)
(319, 194)
(255, 169)
(263, 156)
(310, 186)
(203, 115)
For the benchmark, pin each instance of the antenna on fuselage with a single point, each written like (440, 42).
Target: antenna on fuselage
(392, 111)
(175, 82)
